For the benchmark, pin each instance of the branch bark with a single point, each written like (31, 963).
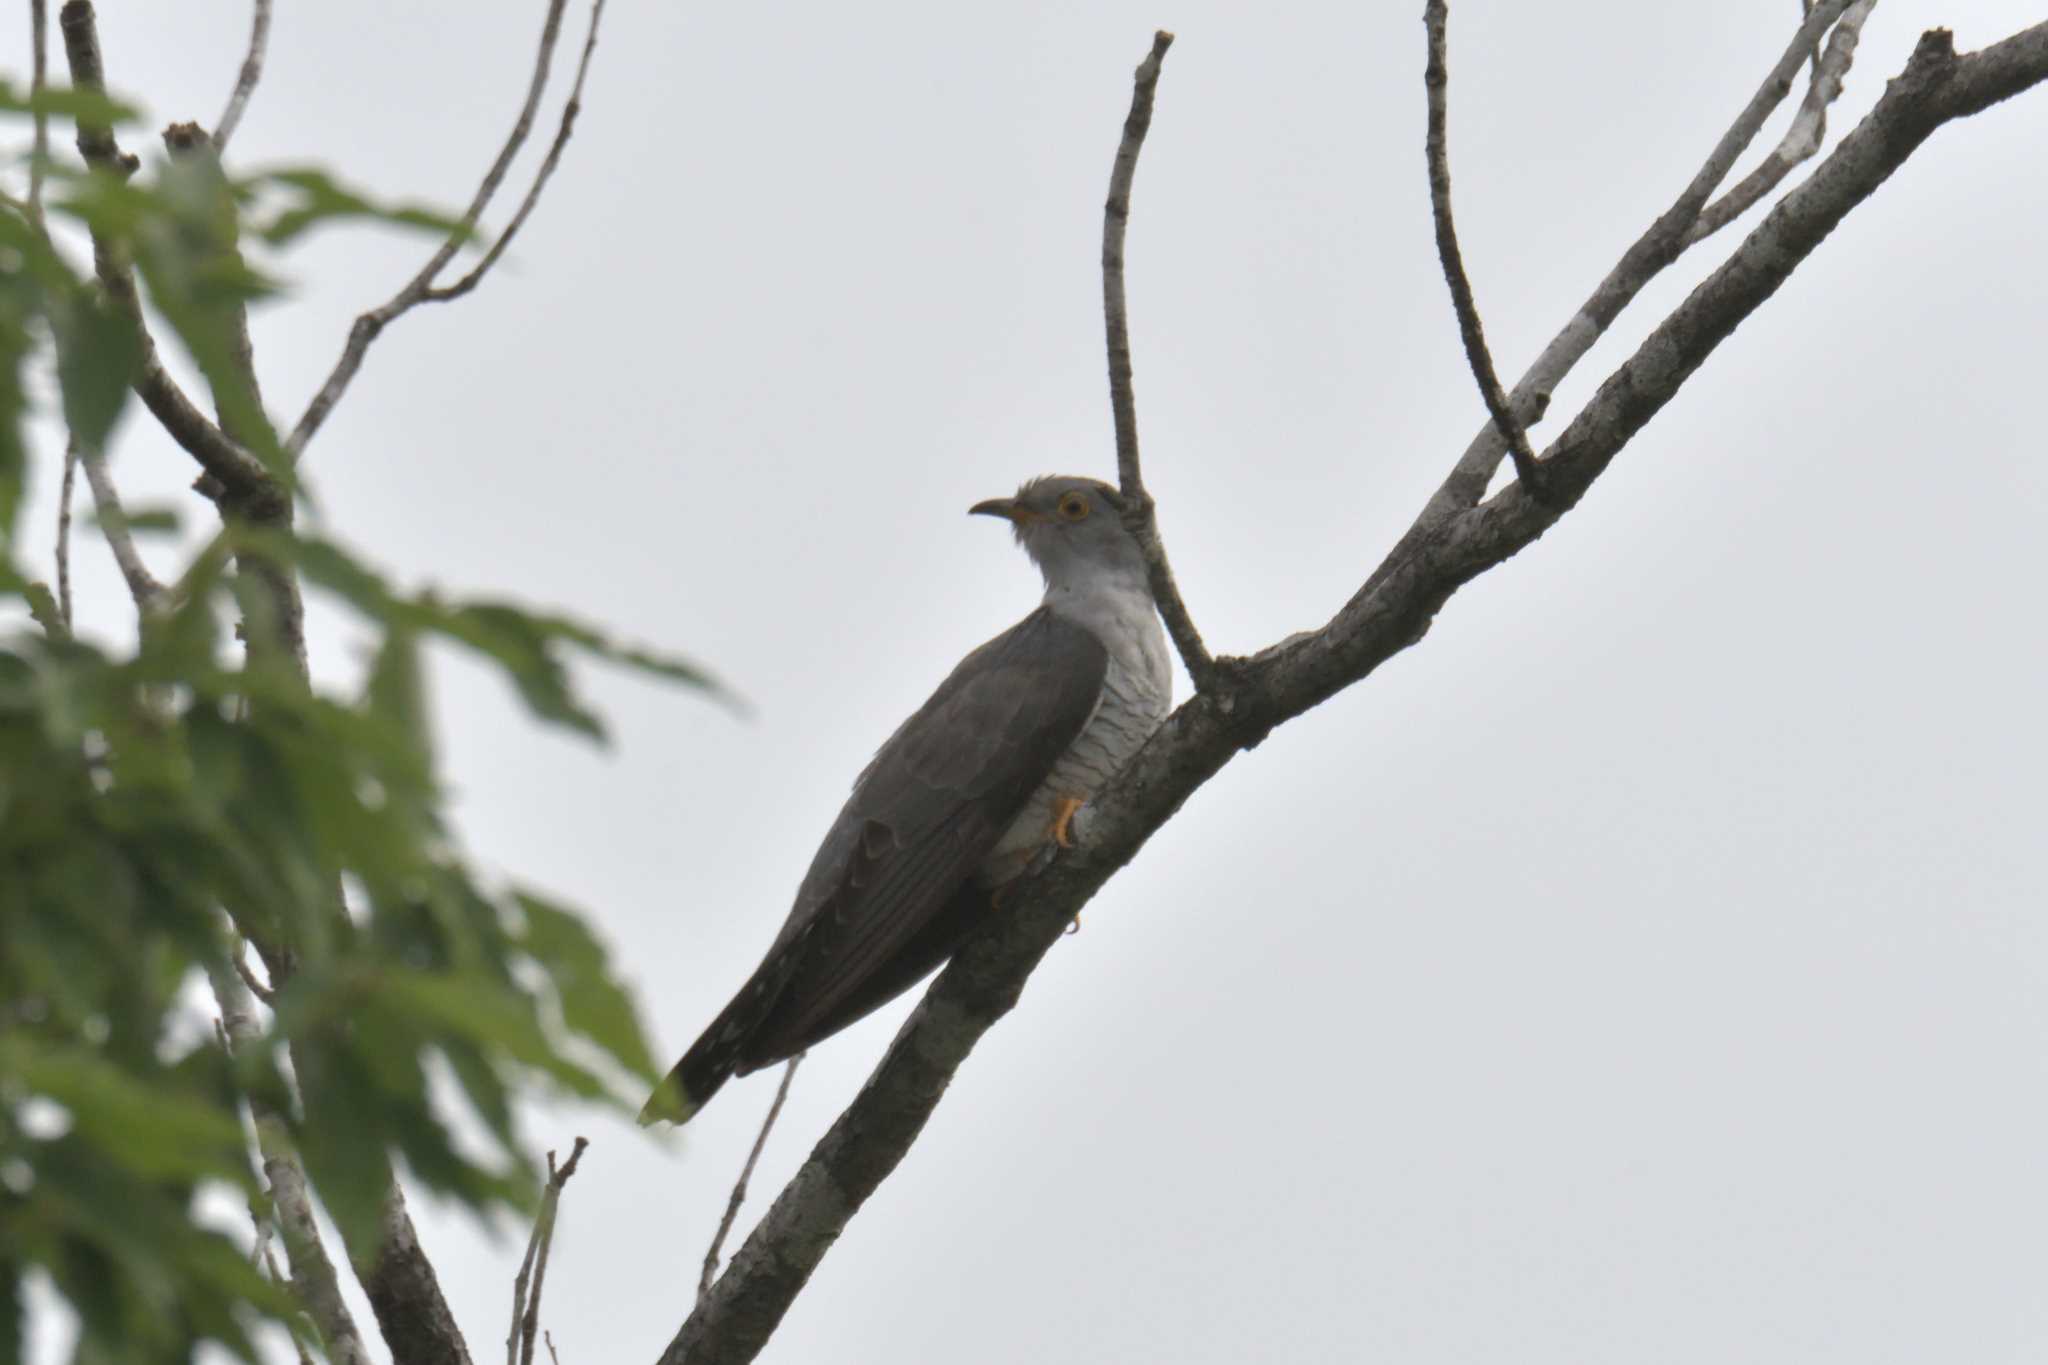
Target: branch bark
(1139, 512)
(245, 80)
(1391, 612)
(1436, 79)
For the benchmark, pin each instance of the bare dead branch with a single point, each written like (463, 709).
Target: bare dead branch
(236, 470)
(1436, 79)
(64, 532)
(245, 82)
(1809, 126)
(1392, 612)
(570, 110)
(739, 1189)
(113, 520)
(1139, 512)
(549, 1338)
(369, 325)
(1647, 257)
(38, 166)
(525, 1305)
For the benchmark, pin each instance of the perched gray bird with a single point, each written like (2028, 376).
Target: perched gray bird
(962, 797)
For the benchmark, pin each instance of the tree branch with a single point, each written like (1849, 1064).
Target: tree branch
(739, 1188)
(570, 110)
(1803, 138)
(312, 1280)
(1139, 512)
(39, 156)
(525, 1306)
(236, 470)
(420, 288)
(64, 531)
(245, 83)
(113, 519)
(1436, 77)
(1392, 612)
(1660, 244)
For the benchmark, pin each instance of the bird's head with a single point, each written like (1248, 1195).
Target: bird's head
(1073, 530)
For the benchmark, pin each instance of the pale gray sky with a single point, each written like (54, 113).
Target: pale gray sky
(1649, 966)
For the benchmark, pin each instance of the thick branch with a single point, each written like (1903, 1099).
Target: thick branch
(420, 288)
(1436, 79)
(1392, 612)
(245, 82)
(1140, 514)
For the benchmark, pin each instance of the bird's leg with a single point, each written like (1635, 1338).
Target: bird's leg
(1062, 830)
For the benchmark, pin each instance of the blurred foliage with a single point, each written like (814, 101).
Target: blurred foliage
(163, 805)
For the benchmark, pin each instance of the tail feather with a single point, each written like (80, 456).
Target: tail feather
(721, 1052)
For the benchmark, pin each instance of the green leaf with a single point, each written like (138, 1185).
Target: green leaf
(593, 1003)
(154, 1130)
(58, 101)
(314, 197)
(98, 352)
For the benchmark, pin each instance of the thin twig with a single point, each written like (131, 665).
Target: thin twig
(1140, 514)
(232, 466)
(525, 1308)
(420, 287)
(1809, 126)
(64, 531)
(739, 1189)
(245, 83)
(1436, 79)
(573, 107)
(38, 166)
(549, 1338)
(143, 585)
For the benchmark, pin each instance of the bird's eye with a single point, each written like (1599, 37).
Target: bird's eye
(1074, 506)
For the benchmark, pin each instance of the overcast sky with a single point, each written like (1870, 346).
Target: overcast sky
(1649, 966)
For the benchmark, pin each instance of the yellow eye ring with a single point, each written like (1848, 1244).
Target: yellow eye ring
(1074, 506)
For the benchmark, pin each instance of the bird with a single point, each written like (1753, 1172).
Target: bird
(959, 801)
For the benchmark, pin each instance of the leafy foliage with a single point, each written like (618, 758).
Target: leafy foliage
(161, 806)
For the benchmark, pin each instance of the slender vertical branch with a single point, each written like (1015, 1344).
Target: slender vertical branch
(525, 1303)
(245, 81)
(1436, 79)
(39, 50)
(64, 531)
(739, 1189)
(113, 519)
(1140, 514)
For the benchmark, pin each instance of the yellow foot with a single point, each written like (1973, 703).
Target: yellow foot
(1062, 831)
(1075, 927)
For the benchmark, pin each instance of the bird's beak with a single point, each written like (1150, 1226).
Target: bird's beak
(1007, 508)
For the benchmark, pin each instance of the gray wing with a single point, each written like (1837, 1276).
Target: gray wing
(871, 914)
(924, 816)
